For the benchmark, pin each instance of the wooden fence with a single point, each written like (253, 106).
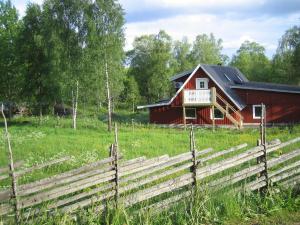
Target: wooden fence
(164, 180)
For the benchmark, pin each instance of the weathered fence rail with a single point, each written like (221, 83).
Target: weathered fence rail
(129, 182)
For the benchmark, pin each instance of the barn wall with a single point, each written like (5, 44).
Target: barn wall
(281, 107)
(174, 115)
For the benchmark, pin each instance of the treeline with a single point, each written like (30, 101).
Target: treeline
(55, 46)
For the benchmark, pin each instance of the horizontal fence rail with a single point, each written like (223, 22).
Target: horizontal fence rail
(164, 180)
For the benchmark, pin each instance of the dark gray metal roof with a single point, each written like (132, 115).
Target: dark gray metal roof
(268, 87)
(225, 77)
(185, 73)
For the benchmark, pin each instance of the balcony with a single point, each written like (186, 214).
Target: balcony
(198, 97)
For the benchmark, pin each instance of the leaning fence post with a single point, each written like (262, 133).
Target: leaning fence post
(194, 158)
(116, 166)
(12, 170)
(263, 143)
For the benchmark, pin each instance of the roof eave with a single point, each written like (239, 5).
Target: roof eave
(266, 89)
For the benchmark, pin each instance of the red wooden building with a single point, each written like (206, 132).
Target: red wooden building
(222, 95)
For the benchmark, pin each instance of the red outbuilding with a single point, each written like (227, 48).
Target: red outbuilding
(222, 95)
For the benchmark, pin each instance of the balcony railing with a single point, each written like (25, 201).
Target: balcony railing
(197, 97)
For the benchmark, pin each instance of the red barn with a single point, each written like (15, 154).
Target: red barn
(222, 95)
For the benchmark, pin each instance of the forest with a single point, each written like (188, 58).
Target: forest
(72, 53)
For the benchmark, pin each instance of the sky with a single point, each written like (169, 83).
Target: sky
(234, 21)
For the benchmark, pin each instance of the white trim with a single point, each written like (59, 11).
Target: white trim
(191, 118)
(211, 117)
(198, 80)
(266, 89)
(253, 112)
(211, 77)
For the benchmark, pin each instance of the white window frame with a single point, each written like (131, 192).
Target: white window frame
(191, 118)
(253, 111)
(211, 115)
(198, 80)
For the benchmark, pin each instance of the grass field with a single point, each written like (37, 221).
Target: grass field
(35, 142)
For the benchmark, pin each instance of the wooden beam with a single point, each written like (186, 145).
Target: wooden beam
(213, 116)
(184, 116)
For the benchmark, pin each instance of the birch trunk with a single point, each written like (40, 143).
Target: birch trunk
(75, 105)
(108, 97)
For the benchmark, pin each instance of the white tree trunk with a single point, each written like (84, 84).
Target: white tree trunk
(108, 97)
(75, 105)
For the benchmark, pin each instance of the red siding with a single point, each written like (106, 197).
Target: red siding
(281, 107)
(174, 115)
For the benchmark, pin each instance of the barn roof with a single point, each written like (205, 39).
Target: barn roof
(262, 86)
(179, 75)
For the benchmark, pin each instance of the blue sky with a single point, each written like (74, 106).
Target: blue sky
(235, 21)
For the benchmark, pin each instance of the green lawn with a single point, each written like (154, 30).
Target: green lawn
(36, 142)
(53, 138)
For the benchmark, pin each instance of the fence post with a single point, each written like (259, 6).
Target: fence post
(193, 151)
(116, 166)
(262, 142)
(12, 170)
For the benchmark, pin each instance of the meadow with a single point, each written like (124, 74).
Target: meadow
(36, 141)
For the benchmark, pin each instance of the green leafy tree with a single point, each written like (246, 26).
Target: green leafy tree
(131, 94)
(10, 78)
(181, 51)
(251, 60)
(150, 64)
(105, 43)
(40, 83)
(285, 65)
(207, 50)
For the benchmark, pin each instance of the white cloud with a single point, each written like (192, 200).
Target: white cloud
(265, 31)
(21, 5)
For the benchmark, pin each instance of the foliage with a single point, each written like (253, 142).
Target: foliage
(150, 62)
(252, 61)
(207, 50)
(286, 60)
(10, 79)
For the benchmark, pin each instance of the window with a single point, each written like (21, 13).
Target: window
(190, 113)
(218, 114)
(257, 111)
(201, 83)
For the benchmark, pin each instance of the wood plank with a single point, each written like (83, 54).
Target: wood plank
(155, 177)
(64, 181)
(171, 162)
(166, 203)
(66, 174)
(283, 158)
(228, 163)
(5, 195)
(159, 189)
(41, 166)
(236, 177)
(291, 182)
(288, 167)
(221, 153)
(80, 196)
(295, 140)
(285, 175)
(87, 202)
(123, 171)
(68, 189)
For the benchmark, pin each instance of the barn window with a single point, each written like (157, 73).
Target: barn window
(218, 114)
(190, 113)
(257, 111)
(201, 83)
